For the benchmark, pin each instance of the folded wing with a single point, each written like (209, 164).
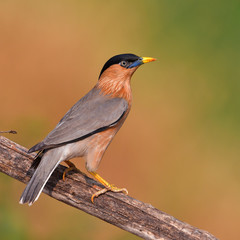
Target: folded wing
(92, 113)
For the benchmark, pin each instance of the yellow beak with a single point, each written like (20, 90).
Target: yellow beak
(148, 59)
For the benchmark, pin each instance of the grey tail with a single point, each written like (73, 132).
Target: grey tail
(49, 162)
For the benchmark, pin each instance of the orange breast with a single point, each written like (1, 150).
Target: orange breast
(115, 81)
(97, 146)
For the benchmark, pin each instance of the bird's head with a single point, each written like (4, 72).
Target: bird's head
(124, 64)
(114, 79)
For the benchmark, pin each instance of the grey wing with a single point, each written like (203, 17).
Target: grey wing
(93, 113)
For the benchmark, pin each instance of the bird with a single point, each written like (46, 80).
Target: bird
(88, 128)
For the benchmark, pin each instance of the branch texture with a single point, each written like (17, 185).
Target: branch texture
(122, 211)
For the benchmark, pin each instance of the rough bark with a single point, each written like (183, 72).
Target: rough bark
(122, 211)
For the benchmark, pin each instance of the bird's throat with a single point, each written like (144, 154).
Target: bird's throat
(116, 84)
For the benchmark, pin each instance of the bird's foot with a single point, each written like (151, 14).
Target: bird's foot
(71, 167)
(111, 188)
(108, 187)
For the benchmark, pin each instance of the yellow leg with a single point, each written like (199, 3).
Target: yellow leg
(71, 167)
(108, 187)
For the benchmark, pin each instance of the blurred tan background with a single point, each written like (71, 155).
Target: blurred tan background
(179, 148)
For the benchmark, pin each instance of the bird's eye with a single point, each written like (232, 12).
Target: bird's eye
(123, 63)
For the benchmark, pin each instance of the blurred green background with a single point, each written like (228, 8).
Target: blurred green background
(179, 148)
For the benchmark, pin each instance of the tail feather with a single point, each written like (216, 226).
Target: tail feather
(49, 162)
(37, 159)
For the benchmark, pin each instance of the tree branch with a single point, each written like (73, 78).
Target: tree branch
(122, 211)
(9, 131)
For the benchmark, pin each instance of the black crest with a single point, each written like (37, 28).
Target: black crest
(117, 59)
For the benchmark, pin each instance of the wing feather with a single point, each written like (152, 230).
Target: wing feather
(94, 112)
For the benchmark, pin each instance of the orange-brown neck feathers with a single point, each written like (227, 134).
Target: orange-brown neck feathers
(115, 81)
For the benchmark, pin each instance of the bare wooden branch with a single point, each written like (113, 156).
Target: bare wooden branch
(9, 131)
(122, 211)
